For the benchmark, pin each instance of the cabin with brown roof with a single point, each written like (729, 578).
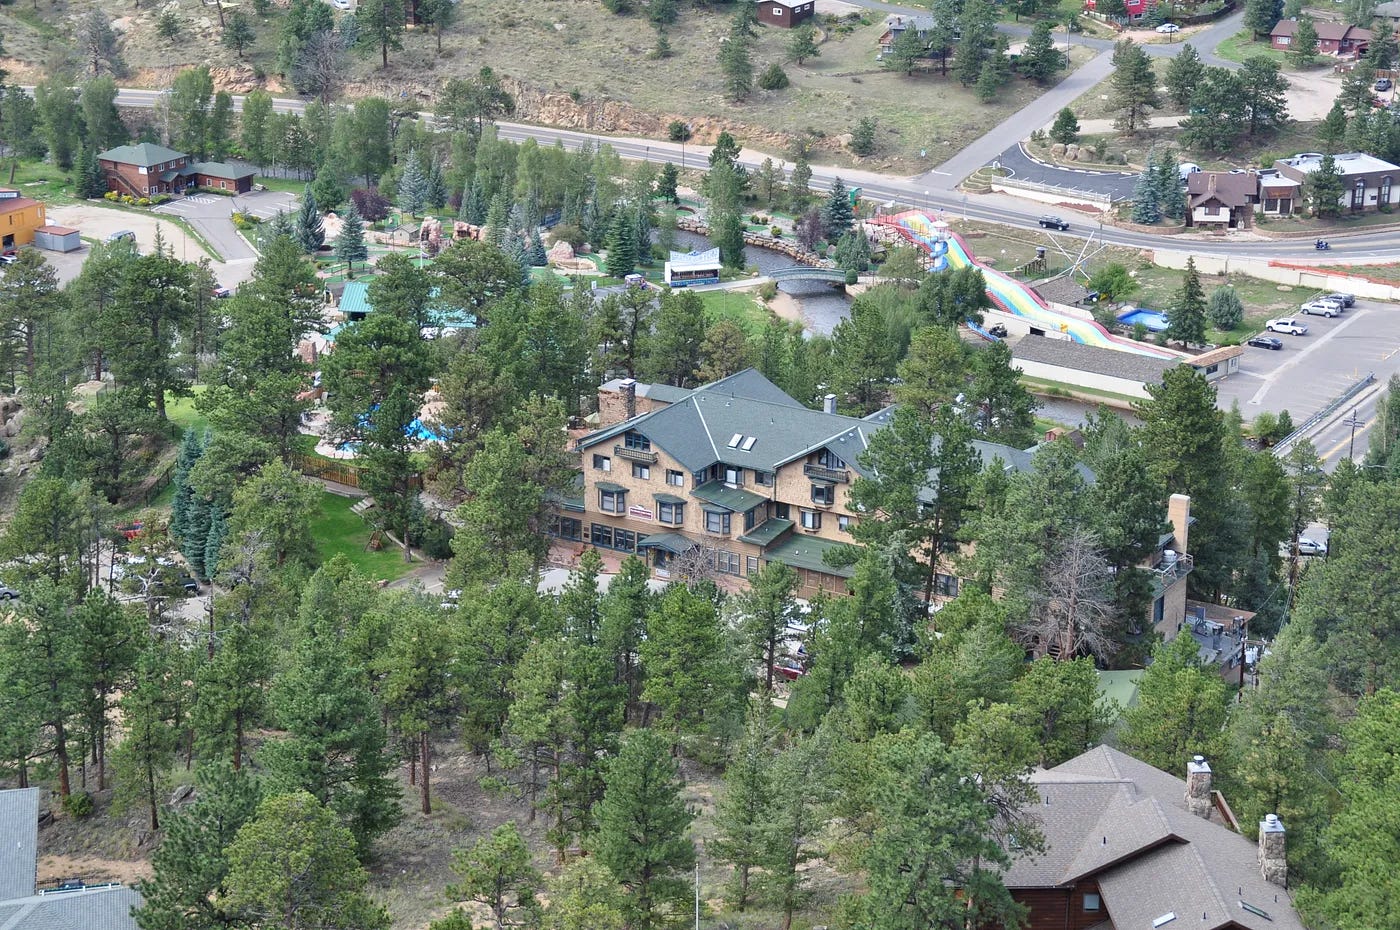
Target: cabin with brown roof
(1221, 199)
(1341, 39)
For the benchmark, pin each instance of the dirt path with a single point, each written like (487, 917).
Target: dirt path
(92, 869)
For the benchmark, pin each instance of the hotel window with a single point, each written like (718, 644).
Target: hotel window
(566, 528)
(843, 523)
(727, 562)
(675, 479)
(1092, 902)
(811, 519)
(641, 471)
(637, 441)
(750, 516)
(673, 514)
(824, 494)
(602, 463)
(733, 475)
(751, 565)
(827, 459)
(717, 522)
(782, 511)
(945, 585)
(612, 501)
(763, 479)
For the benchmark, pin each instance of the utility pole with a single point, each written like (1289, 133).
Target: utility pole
(1353, 421)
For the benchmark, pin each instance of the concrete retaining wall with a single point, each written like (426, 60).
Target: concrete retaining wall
(1281, 273)
(1085, 379)
(1047, 194)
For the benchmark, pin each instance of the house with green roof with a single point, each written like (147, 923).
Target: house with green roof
(146, 170)
(739, 474)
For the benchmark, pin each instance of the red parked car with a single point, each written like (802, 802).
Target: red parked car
(129, 531)
(788, 669)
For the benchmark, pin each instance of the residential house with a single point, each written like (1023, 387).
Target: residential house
(1367, 181)
(1278, 195)
(69, 905)
(354, 305)
(785, 13)
(896, 25)
(1135, 9)
(20, 218)
(740, 474)
(1341, 39)
(1221, 199)
(1129, 847)
(146, 170)
(1389, 11)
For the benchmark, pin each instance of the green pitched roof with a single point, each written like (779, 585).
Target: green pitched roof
(219, 169)
(721, 495)
(671, 542)
(144, 154)
(766, 532)
(808, 552)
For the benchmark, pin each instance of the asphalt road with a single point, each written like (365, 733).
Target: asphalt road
(1119, 185)
(909, 192)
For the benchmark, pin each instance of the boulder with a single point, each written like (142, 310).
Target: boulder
(1057, 150)
(1071, 151)
(181, 794)
(560, 251)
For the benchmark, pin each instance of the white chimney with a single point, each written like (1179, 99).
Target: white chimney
(829, 403)
(1199, 799)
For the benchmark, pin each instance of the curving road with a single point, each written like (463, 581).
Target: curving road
(1380, 246)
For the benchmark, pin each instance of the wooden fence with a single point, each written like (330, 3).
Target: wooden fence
(340, 472)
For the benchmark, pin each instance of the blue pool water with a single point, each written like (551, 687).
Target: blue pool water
(1154, 321)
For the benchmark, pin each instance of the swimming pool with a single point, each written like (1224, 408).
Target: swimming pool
(1154, 321)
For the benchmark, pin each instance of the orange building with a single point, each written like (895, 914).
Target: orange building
(19, 217)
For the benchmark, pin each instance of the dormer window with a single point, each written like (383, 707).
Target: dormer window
(828, 459)
(733, 475)
(637, 441)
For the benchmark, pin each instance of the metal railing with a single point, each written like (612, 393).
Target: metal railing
(1281, 447)
(1179, 567)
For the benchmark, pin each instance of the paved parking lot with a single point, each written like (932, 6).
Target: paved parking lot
(210, 215)
(1311, 370)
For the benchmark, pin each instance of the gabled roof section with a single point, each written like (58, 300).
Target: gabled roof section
(19, 838)
(143, 154)
(1109, 816)
(751, 384)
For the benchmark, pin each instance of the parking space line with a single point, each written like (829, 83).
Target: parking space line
(1286, 366)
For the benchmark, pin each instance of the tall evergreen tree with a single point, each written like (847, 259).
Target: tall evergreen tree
(837, 215)
(1134, 87)
(621, 247)
(1186, 316)
(412, 186)
(350, 241)
(310, 230)
(744, 811)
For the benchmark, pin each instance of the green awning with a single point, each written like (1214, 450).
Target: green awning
(668, 499)
(608, 486)
(674, 543)
(766, 532)
(801, 551)
(734, 499)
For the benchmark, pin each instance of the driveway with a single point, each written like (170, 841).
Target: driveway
(211, 216)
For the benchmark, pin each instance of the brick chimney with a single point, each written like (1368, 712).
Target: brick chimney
(1273, 852)
(629, 397)
(1199, 799)
(1179, 516)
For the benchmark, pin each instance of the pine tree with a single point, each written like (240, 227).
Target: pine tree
(214, 542)
(1333, 131)
(1226, 311)
(1324, 189)
(853, 251)
(435, 191)
(642, 824)
(310, 230)
(1303, 48)
(1186, 317)
(497, 220)
(149, 711)
(1134, 86)
(1066, 127)
(744, 810)
(90, 182)
(621, 247)
(837, 215)
(350, 242)
(413, 186)
(803, 45)
(1146, 207)
(667, 181)
(1171, 193)
(1184, 75)
(191, 448)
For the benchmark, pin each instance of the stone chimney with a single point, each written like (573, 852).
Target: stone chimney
(1199, 799)
(1179, 516)
(829, 403)
(629, 397)
(1273, 854)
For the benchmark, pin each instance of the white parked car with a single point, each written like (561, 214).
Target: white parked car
(1287, 325)
(1306, 546)
(1321, 307)
(1168, 28)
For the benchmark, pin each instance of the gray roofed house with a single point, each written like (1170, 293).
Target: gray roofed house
(1129, 845)
(1090, 367)
(1389, 10)
(22, 907)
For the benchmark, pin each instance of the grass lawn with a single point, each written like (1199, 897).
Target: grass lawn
(337, 531)
(1241, 47)
(38, 180)
(181, 411)
(1387, 273)
(740, 306)
(285, 185)
(1059, 389)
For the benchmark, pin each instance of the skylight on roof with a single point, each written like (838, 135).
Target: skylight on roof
(734, 440)
(1164, 919)
(1256, 911)
(748, 443)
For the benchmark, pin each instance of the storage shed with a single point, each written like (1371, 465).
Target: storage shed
(58, 239)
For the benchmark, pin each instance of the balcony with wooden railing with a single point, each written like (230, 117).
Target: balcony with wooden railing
(645, 456)
(826, 474)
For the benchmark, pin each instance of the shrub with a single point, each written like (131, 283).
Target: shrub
(767, 291)
(567, 232)
(78, 804)
(1139, 331)
(773, 77)
(437, 540)
(776, 232)
(110, 195)
(1225, 309)
(144, 202)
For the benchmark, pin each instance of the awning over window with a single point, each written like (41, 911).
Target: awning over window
(674, 543)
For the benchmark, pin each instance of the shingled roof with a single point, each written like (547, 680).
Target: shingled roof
(1125, 824)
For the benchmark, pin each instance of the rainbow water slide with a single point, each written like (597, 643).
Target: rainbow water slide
(1008, 295)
